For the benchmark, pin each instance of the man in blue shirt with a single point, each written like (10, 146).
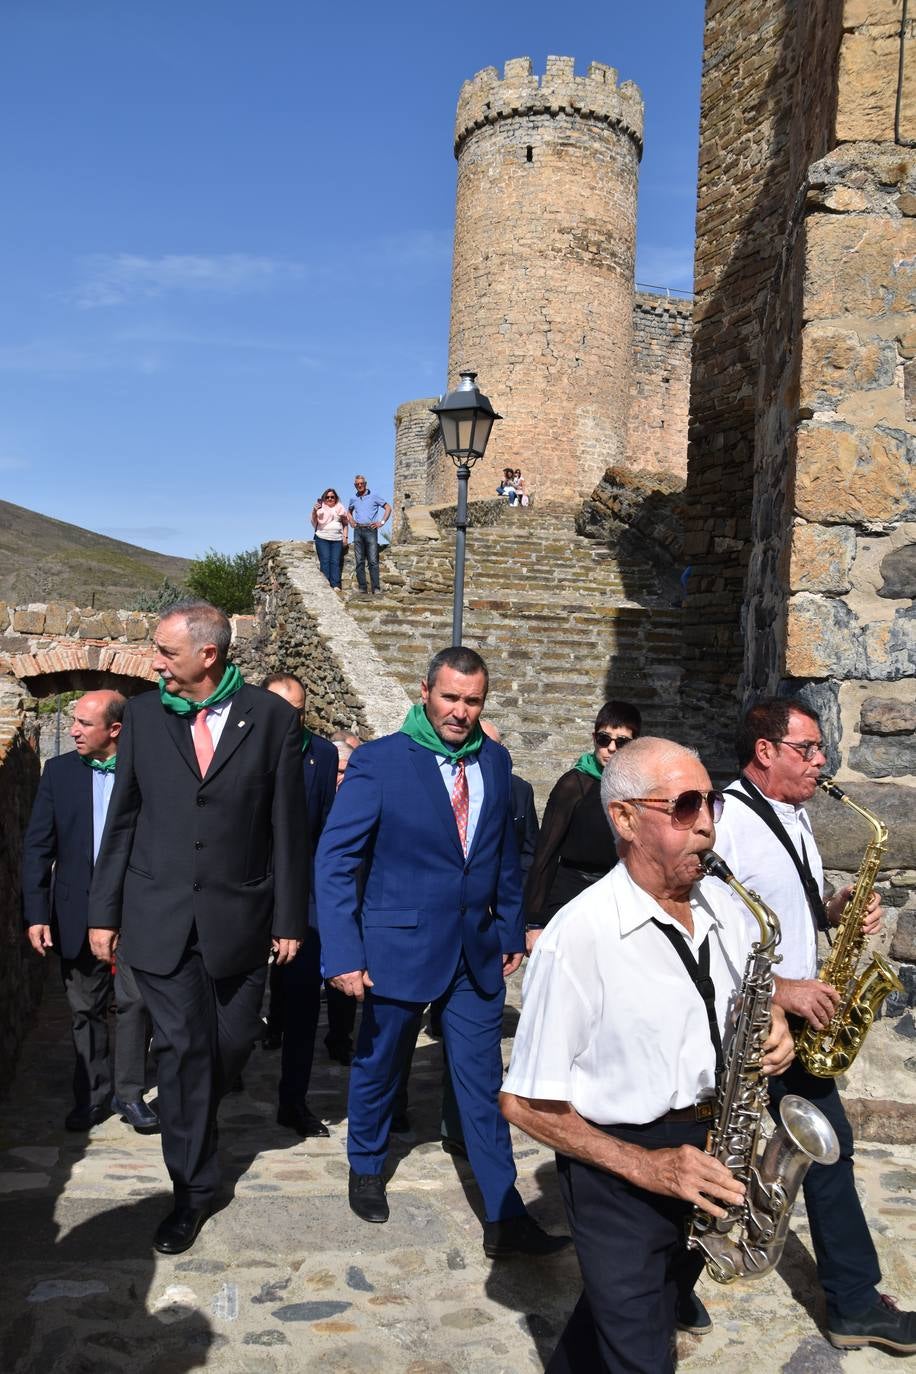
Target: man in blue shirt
(368, 513)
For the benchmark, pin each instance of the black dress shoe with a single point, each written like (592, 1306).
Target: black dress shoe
(299, 1119)
(367, 1197)
(179, 1230)
(84, 1118)
(520, 1236)
(690, 1315)
(883, 1325)
(139, 1114)
(451, 1146)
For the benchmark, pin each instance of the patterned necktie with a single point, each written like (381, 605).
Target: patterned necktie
(461, 805)
(203, 741)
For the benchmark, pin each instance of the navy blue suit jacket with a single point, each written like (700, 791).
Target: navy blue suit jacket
(422, 901)
(57, 853)
(319, 765)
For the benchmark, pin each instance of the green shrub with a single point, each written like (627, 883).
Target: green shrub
(155, 602)
(227, 580)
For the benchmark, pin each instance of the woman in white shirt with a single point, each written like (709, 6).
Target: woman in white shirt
(329, 521)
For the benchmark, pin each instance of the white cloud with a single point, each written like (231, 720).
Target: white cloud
(117, 279)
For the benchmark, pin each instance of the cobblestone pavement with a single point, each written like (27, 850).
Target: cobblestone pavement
(285, 1278)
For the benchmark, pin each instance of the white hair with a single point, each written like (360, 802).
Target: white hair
(634, 771)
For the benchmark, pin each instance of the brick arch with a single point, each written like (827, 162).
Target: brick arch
(86, 667)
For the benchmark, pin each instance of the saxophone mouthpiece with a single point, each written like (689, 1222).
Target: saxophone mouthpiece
(831, 788)
(716, 867)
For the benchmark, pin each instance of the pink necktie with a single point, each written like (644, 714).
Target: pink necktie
(460, 805)
(203, 741)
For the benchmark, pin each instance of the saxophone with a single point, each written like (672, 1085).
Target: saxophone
(828, 1052)
(748, 1241)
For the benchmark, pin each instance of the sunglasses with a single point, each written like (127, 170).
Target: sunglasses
(604, 740)
(329, 496)
(685, 808)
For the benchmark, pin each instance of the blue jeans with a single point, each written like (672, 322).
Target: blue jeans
(365, 550)
(330, 558)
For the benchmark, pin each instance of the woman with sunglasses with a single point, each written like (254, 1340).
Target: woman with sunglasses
(575, 846)
(330, 521)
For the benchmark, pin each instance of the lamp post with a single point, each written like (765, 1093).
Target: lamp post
(465, 420)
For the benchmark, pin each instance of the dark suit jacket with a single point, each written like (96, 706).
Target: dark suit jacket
(57, 853)
(319, 769)
(525, 820)
(228, 853)
(423, 901)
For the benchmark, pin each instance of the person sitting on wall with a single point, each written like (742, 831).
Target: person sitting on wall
(507, 486)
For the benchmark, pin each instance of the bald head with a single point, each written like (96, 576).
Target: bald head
(96, 724)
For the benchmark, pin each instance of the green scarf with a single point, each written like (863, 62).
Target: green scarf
(417, 726)
(102, 765)
(306, 738)
(230, 682)
(587, 763)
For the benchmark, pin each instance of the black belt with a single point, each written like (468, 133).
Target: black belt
(699, 1111)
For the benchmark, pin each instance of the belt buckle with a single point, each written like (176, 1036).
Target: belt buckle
(705, 1110)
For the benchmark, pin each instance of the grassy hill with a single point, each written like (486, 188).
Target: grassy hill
(48, 560)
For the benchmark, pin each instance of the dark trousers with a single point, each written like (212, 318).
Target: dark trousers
(365, 550)
(88, 985)
(341, 1018)
(634, 1262)
(472, 1030)
(847, 1263)
(204, 1029)
(300, 982)
(330, 558)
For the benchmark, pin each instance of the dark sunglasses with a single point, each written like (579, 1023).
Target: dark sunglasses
(685, 808)
(603, 739)
(329, 496)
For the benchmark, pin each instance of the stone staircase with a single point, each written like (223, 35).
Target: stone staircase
(561, 622)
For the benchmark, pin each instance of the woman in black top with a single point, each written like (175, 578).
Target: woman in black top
(576, 845)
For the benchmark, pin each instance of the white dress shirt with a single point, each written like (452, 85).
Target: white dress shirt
(760, 862)
(610, 1020)
(472, 771)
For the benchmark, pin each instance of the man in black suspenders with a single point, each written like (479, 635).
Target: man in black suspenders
(765, 836)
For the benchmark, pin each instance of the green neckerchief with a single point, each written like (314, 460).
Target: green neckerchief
(417, 726)
(587, 763)
(306, 738)
(230, 682)
(102, 765)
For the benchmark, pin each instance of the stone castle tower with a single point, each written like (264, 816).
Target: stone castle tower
(543, 305)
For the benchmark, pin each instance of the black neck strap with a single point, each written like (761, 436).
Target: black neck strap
(698, 969)
(754, 798)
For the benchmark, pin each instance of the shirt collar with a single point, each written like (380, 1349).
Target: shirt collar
(636, 908)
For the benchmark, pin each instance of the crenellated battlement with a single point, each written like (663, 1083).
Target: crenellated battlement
(487, 99)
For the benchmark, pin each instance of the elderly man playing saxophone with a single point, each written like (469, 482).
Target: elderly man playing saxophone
(616, 1057)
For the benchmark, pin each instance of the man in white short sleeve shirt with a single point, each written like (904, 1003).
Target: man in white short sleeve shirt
(615, 1060)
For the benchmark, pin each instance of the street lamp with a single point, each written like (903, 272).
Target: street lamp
(465, 420)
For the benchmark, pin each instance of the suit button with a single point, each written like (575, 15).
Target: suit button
(198, 844)
(197, 887)
(462, 910)
(201, 801)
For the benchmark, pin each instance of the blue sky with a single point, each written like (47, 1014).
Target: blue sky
(228, 231)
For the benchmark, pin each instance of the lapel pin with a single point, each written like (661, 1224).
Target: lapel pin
(241, 723)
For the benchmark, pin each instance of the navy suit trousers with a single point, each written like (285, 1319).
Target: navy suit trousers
(472, 1031)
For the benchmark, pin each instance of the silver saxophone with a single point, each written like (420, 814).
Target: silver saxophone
(747, 1242)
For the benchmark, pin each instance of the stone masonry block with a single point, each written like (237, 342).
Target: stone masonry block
(898, 573)
(887, 716)
(56, 618)
(823, 639)
(836, 361)
(28, 622)
(891, 757)
(867, 87)
(845, 476)
(821, 557)
(859, 265)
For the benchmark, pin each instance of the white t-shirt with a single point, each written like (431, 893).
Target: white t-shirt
(760, 862)
(611, 1021)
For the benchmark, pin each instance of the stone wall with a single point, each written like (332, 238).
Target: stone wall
(21, 973)
(415, 432)
(660, 385)
(303, 628)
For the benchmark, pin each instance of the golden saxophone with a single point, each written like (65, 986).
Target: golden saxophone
(748, 1241)
(828, 1052)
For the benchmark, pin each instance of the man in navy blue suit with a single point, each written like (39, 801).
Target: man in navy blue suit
(295, 988)
(435, 916)
(61, 845)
